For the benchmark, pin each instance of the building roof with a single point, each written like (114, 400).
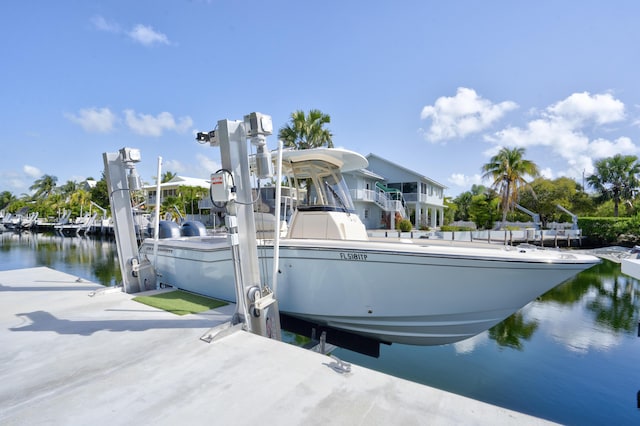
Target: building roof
(406, 170)
(368, 173)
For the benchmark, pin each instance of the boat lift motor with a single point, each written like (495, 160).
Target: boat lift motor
(256, 305)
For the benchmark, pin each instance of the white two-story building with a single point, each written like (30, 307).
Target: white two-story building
(386, 192)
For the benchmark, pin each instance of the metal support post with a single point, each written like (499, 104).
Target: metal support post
(256, 305)
(137, 275)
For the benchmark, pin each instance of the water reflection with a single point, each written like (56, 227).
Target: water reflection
(588, 311)
(92, 259)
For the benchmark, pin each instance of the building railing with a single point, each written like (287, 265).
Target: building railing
(379, 198)
(415, 197)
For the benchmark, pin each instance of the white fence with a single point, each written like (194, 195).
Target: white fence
(548, 237)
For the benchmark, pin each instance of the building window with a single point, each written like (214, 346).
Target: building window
(366, 213)
(409, 188)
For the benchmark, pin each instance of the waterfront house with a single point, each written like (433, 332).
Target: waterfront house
(171, 187)
(386, 192)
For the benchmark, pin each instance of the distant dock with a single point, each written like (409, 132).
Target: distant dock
(72, 359)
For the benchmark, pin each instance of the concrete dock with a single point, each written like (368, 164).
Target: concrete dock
(68, 358)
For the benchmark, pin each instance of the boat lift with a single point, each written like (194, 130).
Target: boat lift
(256, 306)
(574, 218)
(535, 216)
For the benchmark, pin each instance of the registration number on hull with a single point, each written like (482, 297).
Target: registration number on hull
(353, 256)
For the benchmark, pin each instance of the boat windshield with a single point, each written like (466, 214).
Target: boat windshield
(325, 187)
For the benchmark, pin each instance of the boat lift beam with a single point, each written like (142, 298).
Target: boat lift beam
(574, 218)
(137, 273)
(534, 216)
(256, 306)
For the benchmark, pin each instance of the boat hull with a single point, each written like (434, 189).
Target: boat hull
(394, 293)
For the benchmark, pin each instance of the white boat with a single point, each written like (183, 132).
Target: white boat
(331, 273)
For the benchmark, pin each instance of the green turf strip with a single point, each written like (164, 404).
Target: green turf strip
(180, 302)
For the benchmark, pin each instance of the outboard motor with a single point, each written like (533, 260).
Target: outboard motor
(193, 228)
(168, 229)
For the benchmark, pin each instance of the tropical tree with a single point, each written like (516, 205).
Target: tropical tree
(483, 209)
(190, 196)
(79, 202)
(167, 176)
(547, 194)
(100, 193)
(616, 178)
(508, 169)
(463, 201)
(69, 188)
(6, 198)
(44, 186)
(307, 131)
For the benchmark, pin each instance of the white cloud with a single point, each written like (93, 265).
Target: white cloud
(459, 179)
(207, 165)
(562, 127)
(580, 108)
(31, 171)
(600, 148)
(546, 173)
(173, 166)
(202, 167)
(103, 25)
(143, 34)
(147, 36)
(94, 120)
(461, 115)
(148, 125)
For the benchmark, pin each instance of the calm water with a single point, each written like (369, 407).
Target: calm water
(572, 357)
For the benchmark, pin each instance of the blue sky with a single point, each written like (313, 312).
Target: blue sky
(435, 86)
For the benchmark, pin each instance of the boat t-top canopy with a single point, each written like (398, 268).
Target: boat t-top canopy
(344, 159)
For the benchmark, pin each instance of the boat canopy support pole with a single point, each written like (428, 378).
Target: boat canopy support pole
(256, 306)
(137, 274)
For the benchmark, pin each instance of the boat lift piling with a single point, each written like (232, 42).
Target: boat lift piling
(256, 306)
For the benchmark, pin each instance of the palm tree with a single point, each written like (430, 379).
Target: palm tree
(167, 176)
(306, 131)
(69, 188)
(616, 178)
(508, 169)
(6, 198)
(44, 186)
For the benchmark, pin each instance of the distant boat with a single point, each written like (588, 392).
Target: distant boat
(331, 273)
(20, 220)
(80, 226)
